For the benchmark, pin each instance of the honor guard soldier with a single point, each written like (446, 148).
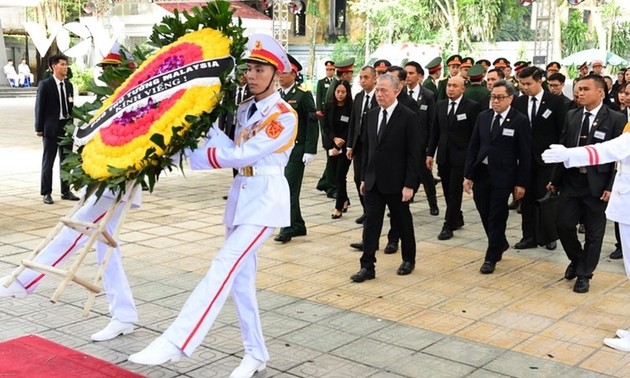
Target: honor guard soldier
(435, 70)
(477, 91)
(305, 146)
(322, 87)
(258, 202)
(463, 69)
(344, 71)
(453, 63)
(381, 66)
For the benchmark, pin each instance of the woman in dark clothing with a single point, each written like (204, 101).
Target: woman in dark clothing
(336, 124)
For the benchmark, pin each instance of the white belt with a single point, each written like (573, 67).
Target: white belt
(264, 170)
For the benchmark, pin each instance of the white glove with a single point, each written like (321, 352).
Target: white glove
(557, 153)
(308, 158)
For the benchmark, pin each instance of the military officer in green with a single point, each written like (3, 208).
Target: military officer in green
(477, 91)
(467, 63)
(453, 63)
(345, 70)
(552, 68)
(322, 87)
(305, 146)
(485, 63)
(435, 70)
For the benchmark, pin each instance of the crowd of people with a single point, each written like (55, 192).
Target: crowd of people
(484, 129)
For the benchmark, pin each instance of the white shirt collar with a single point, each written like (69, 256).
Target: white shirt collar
(594, 111)
(538, 97)
(371, 93)
(287, 90)
(504, 114)
(457, 101)
(267, 103)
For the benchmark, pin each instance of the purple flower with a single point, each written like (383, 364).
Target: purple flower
(169, 64)
(132, 115)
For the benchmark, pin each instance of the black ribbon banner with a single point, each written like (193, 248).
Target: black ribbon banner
(168, 81)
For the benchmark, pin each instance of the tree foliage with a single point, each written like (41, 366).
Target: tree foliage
(574, 34)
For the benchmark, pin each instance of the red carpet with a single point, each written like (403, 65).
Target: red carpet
(34, 357)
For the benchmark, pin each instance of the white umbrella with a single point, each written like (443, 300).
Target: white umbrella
(591, 55)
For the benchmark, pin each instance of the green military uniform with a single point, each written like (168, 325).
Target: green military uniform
(322, 87)
(476, 91)
(433, 66)
(305, 143)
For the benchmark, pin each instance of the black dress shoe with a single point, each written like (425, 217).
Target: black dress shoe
(282, 238)
(434, 210)
(225, 197)
(551, 246)
(570, 273)
(581, 285)
(526, 243)
(360, 219)
(358, 246)
(336, 216)
(48, 199)
(406, 268)
(69, 197)
(445, 234)
(363, 274)
(487, 267)
(390, 248)
(616, 254)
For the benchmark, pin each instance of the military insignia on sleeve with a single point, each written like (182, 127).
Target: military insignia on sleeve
(274, 129)
(283, 108)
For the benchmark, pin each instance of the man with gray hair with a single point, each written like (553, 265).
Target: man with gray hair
(498, 163)
(390, 172)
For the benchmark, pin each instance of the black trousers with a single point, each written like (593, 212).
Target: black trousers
(492, 205)
(539, 178)
(428, 183)
(572, 206)
(375, 203)
(51, 148)
(452, 176)
(357, 161)
(341, 165)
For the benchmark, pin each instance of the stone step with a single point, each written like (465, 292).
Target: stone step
(7, 92)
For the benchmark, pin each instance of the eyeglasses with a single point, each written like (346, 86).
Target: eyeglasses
(555, 85)
(498, 97)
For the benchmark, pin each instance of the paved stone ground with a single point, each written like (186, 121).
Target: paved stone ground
(444, 320)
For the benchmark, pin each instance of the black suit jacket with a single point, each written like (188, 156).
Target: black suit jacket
(391, 161)
(48, 106)
(426, 111)
(509, 154)
(452, 140)
(548, 123)
(227, 121)
(608, 124)
(355, 133)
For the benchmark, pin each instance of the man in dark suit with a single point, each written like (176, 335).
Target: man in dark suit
(363, 101)
(304, 149)
(498, 162)
(426, 110)
(390, 174)
(454, 122)
(546, 114)
(555, 83)
(587, 189)
(53, 107)
(227, 122)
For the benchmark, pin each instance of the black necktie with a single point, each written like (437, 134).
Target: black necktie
(239, 95)
(496, 126)
(411, 94)
(251, 111)
(383, 124)
(533, 115)
(366, 106)
(64, 101)
(585, 129)
(451, 113)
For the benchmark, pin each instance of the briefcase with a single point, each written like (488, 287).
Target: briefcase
(545, 216)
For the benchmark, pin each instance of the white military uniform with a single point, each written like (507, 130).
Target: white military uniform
(601, 153)
(68, 241)
(258, 201)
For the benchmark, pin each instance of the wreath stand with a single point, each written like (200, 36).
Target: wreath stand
(95, 232)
